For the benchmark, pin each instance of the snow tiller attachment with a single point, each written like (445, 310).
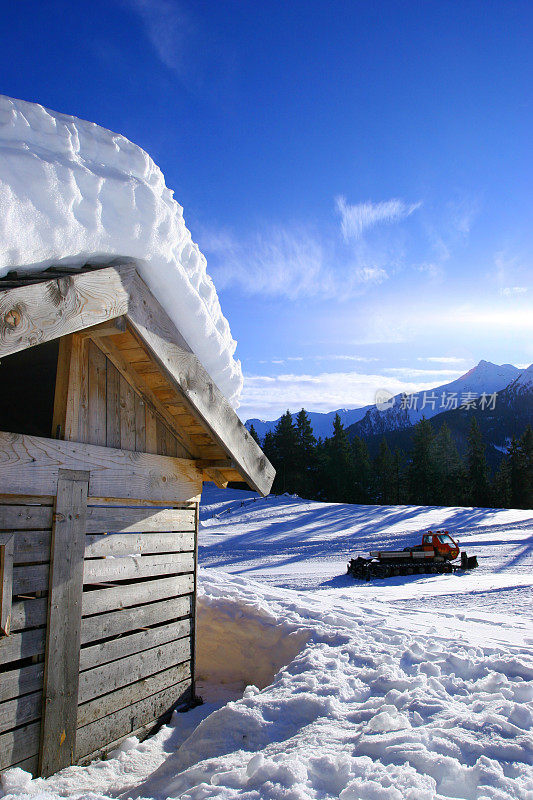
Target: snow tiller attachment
(435, 555)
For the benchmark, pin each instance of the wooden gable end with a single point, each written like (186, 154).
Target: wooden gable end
(126, 377)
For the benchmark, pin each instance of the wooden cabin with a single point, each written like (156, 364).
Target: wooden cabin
(110, 425)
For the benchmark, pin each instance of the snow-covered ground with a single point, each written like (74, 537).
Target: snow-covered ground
(319, 686)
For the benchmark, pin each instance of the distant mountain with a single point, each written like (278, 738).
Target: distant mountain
(369, 420)
(498, 421)
(407, 410)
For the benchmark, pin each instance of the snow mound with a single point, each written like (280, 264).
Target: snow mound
(73, 193)
(242, 645)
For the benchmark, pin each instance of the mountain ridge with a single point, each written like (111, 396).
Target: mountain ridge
(483, 377)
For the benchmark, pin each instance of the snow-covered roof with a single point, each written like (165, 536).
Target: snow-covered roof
(73, 193)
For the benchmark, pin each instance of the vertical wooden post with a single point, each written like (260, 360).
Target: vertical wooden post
(194, 609)
(62, 655)
(70, 399)
(6, 581)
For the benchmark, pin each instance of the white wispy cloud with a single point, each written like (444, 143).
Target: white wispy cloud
(442, 359)
(409, 372)
(512, 273)
(344, 358)
(432, 269)
(357, 218)
(169, 28)
(267, 396)
(314, 358)
(290, 262)
(463, 212)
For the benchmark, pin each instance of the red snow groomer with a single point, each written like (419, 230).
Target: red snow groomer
(435, 555)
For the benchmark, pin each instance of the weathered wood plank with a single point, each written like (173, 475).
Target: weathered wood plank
(101, 752)
(25, 517)
(61, 388)
(31, 461)
(151, 431)
(123, 544)
(21, 681)
(38, 313)
(115, 327)
(210, 407)
(108, 677)
(113, 519)
(122, 698)
(82, 392)
(60, 690)
(195, 605)
(140, 425)
(124, 568)
(97, 654)
(29, 613)
(127, 416)
(31, 546)
(6, 582)
(29, 765)
(161, 438)
(22, 645)
(19, 744)
(113, 406)
(30, 578)
(97, 396)
(114, 597)
(20, 711)
(91, 736)
(126, 620)
(136, 379)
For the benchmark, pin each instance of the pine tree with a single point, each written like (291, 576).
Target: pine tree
(384, 474)
(305, 456)
(363, 491)
(284, 443)
(340, 472)
(449, 472)
(501, 489)
(255, 436)
(398, 485)
(422, 472)
(526, 448)
(478, 481)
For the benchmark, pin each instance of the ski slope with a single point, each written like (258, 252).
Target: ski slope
(319, 686)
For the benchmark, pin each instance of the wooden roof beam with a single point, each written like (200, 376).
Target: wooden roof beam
(187, 374)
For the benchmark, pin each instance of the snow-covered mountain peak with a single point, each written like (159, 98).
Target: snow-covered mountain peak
(486, 377)
(524, 382)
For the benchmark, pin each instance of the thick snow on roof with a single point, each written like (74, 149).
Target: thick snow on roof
(73, 193)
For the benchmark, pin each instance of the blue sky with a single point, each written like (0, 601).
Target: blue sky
(358, 174)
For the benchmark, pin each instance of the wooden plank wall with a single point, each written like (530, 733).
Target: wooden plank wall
(22, 652)
(137, 620)
(96, 404)
(137, 629)
(118, 416)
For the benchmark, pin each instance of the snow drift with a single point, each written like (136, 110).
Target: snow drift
(73, 193)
